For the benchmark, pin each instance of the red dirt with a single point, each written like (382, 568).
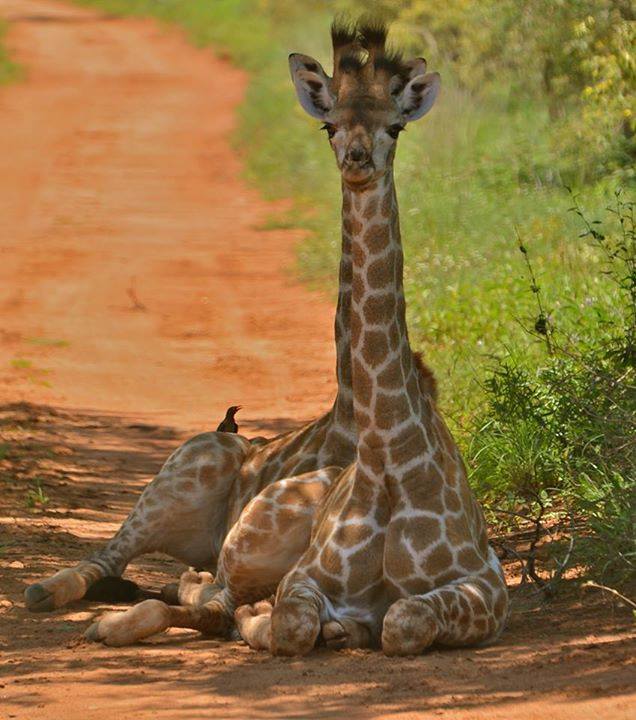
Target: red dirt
(119, 188)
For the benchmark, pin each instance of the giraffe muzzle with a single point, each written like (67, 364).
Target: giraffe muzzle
(358, 172)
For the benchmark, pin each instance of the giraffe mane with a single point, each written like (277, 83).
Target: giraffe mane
(428, 383)
(344, 32)
(360, 48)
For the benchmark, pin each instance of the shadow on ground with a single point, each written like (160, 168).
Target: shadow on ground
(69, 477)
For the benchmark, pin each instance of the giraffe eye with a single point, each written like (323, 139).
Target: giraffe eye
(394, 130)
(331, 129)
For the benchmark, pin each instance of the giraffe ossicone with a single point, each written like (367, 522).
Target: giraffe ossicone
(399, 555)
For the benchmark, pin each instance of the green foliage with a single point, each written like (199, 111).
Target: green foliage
(8, 70)
(560, 429)
(48, 342)
(36, 497)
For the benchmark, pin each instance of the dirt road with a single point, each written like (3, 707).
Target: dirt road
(118, 179)
(138, 299)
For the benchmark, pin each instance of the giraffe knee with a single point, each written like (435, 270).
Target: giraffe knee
(295, 627)
(409, 627)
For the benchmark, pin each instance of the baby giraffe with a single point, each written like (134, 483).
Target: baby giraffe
(398, 553)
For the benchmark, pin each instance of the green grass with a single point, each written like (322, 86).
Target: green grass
(36, 496)
(9, 70)
(48, 342)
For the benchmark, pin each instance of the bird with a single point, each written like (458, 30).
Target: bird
(228, 424)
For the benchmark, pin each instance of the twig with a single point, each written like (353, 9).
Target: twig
(590, 584)
(542, 325)
(528, 563)
(132, 294)
(558, 573)
(508, 551)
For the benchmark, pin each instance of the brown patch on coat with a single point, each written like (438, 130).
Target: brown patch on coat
(377, 238)
(363, 382)
(438, 560)
(375, 347)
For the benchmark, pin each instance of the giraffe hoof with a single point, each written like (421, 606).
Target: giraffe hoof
(93, 634)
(295, 627)
(196, 588)
(38, 599)
(409, 628)
(335, 636)
(244, 612)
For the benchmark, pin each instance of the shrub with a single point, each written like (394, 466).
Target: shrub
(560, 432)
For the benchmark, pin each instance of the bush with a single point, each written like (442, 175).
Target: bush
(559, 431)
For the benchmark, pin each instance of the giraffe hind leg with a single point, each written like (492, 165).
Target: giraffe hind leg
(150, 617)
(62, 588)
(126, 628)
(189, 491)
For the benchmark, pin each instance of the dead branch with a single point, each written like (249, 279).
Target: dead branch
(605, 588)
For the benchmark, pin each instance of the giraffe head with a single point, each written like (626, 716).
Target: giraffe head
(372, 95)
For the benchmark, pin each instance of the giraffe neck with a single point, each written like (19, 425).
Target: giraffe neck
(386, 395)
(343, 406)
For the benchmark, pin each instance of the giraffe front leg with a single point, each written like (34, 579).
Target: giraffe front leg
(189, 590)
(270, 536)
(471, 611)
(295, 626)
(409, 627)
(196, 588)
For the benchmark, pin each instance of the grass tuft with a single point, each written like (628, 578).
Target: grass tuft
(9, 70)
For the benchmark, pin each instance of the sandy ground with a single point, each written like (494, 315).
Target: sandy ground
(139, 297)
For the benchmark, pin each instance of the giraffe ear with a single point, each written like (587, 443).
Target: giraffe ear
(312, 85)
(418, 96)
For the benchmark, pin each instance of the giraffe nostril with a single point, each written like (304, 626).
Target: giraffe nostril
(356, 154)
